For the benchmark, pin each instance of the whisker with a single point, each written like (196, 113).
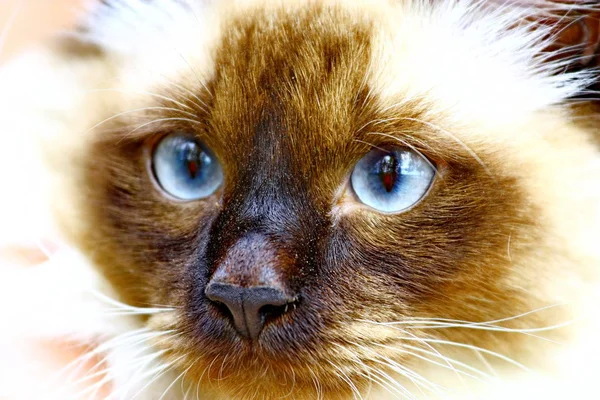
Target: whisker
(486, 363)
(131, 341)
(43, 248)
(317, 384)
(176, 379)
(113, 117)
(293, 383)
(452, 367)
(157, 121)
(220, 374)
(194, 72)
(453, 137)
(136, 375)
(397, 368)
(94, 388)
(208, 369)
(445, 358)
(473, 347)
(418, 380)
(392, 382)
(130, 313)
(99, 349)
(120, 306)
(161, 371)
(496, 320)
(379, 383)
(108, 377)
(141, 92)
(347, 379)
(479, 325)
(198, 102)
(183, 379)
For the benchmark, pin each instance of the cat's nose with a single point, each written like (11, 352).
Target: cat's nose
(250, 307)
(250, 284)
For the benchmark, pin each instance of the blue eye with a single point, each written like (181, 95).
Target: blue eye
(185, 168)
(392, 181)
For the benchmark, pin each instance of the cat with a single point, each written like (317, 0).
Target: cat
(327, 199)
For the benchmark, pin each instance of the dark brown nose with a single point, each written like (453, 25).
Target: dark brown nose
(250, 284)
(249, 307)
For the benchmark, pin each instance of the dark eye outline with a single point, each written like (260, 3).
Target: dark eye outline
(150, 148)
(437, 169)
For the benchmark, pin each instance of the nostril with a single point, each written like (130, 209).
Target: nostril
(271, 312)
(223, 308)
(249, 308)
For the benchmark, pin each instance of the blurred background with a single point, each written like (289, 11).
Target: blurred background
(25, 22)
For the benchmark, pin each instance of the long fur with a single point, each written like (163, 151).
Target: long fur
(479, 68)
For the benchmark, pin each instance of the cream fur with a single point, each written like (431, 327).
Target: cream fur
(484, 84)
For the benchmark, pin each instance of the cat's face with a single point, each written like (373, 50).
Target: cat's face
(282, 274)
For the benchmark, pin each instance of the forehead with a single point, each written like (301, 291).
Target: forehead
(290, 83)
(292, 92)
(317, 83)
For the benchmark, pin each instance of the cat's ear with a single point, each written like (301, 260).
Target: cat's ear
(576, 38)
(571, 33)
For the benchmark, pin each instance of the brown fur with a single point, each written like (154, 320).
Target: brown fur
(289, 111)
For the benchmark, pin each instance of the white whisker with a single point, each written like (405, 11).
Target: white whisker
(347, 379)
(113, 117)
(448, 359)
(99, 349)
(384, 385)
(390, 363)
(317, 384)
(452, 367)
(157, 121)
(453, 137)
(139, 372)
(392, 382)
(492, 321)
(473, 347)
(161, 371)
(139, 92)
(120, 306)
(180, 376)
(105, 347)
(486, 363)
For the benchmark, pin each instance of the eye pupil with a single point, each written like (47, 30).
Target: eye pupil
(192, 157)
(193, 168)
(388, 172)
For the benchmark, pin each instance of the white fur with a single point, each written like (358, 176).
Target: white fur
(468, 60)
